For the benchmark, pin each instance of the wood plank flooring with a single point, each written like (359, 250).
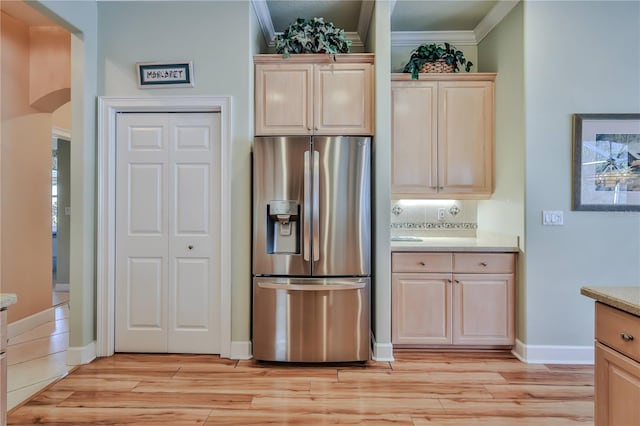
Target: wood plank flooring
(418, 388)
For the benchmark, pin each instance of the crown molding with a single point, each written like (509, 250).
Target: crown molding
(416, 38)
(493, 18)
(364, 20)
(264, 18)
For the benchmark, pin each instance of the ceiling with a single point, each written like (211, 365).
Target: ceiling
(412, 21)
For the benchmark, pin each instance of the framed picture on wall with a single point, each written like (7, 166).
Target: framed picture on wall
(606, 162)
(164, 74)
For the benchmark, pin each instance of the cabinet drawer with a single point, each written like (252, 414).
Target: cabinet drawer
(613, 325)
(421, 262)
(3, 330)
(479, 263)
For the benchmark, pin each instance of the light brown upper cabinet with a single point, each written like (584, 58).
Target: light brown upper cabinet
(442, 136)
(313, 94)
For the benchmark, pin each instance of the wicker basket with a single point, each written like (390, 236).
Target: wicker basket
(439, 66)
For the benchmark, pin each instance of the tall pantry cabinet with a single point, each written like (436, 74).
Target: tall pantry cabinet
(442, 135)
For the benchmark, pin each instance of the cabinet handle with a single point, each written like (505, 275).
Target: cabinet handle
(434, 187)
(484, 264)
(457, 281)
(449, 281)
(441, 188)
(421, 263)
(626, 336)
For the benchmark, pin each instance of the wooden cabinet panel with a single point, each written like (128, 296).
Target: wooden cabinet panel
(434, 304)
(3, 330)
(421, 262)
(283, 99)
(312, 94)
(442, 136)
(483, 263)
(617, 388)
(483, 306)
(422, 307)
(465, 137)
(414, 138)
(618, 330)
(343, 99)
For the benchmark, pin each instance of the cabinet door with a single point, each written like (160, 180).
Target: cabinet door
(283, 99)
(421, 309)
(465, 137)
(617, 389)
(343, 103)
(414, 138)
(483, 309)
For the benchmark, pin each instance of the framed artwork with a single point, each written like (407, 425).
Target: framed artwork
(162, 74)
(606, 162)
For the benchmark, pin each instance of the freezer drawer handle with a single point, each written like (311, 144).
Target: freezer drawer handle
(313, 287)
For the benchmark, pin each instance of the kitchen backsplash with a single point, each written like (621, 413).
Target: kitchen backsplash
(420, 217)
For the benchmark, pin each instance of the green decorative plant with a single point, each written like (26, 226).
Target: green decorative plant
(432, 52)
(312, 36)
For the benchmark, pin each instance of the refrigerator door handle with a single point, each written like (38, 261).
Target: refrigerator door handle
(307, 202)
(316, 206)
(313, 287)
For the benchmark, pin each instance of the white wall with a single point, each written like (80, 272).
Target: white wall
(80, 18)
(502, 51)
(580, 57)
(219, 38)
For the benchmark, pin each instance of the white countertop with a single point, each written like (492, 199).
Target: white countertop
(7, 299)
(484, 243)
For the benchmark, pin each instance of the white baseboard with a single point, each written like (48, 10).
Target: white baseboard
(382, 352)
(547, 354)
(241, 350)
(62, 287)
(78, 355)
(32, 321)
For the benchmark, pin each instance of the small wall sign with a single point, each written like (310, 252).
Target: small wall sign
(163, 74)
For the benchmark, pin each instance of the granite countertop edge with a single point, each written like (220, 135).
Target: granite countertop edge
(626, 299)
(7, 299)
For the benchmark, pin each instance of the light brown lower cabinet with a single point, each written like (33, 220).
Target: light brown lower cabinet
(445, 299)
(617, 380)
(3, 367)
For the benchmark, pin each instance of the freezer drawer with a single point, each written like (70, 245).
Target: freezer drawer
(311, 320)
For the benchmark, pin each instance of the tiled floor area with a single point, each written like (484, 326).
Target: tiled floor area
(38, 356)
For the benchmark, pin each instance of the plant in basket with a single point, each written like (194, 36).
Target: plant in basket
(312, 36)
(433, 57)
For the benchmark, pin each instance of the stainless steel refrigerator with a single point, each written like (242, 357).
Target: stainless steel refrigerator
(311, 248)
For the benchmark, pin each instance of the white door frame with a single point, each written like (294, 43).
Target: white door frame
(108, 107)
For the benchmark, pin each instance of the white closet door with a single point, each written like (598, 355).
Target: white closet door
(167, 232)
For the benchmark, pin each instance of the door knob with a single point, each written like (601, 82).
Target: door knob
(190, 247)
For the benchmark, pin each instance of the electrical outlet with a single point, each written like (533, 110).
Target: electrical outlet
(441, 212)
(552, 217)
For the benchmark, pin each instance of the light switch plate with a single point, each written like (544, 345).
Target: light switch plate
(552, 217)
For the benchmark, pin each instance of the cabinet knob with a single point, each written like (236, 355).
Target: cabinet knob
(421, 263)
(457, 281)
(626, 336)
(484, 264)
(190, 247)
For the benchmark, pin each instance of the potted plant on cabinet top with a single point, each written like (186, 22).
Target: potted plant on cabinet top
(433, 57)
(312, 36)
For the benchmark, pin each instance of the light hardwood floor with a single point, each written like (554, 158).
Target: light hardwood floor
(419, 388)
(37, 357)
